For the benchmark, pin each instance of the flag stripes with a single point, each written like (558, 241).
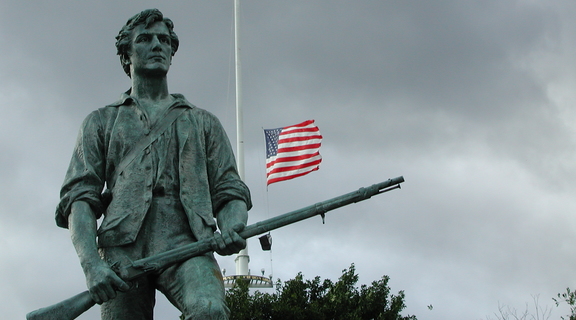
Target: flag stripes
(292, 151)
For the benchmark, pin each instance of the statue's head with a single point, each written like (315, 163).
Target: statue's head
(146, 18)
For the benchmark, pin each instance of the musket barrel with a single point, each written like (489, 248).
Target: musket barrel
(203, 246)
(318, 208)
(72, 307)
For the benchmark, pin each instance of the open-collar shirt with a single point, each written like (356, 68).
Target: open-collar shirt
(192, 161)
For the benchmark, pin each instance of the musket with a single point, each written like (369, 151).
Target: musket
(73, 307)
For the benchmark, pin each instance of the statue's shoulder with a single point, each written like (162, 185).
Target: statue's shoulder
(193, 111)
(103, 115)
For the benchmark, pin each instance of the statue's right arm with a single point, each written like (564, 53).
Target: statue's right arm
(101, 280)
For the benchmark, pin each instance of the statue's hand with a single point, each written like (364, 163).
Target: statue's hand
(103, 283)
(229, 241)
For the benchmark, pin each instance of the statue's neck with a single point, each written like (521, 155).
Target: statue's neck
(150, 88)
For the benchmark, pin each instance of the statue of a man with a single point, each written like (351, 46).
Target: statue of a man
(161, 194)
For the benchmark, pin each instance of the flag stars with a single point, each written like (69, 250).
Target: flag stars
(272, 141)
(292, 151)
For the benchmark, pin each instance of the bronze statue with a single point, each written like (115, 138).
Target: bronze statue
(169, 172)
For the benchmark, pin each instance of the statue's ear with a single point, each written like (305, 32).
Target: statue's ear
(125, 62)
(125, 58)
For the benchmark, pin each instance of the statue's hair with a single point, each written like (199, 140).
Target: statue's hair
(147, 18)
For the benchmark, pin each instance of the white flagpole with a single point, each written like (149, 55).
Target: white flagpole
(239, 115)
(242, 259)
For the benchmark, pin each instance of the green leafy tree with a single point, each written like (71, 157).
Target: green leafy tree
(570, 298)
(299, 299)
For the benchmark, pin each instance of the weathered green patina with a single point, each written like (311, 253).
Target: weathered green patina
(73, 307)
(168, 193)
(161, 175)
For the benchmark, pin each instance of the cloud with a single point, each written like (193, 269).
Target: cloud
(471, 102)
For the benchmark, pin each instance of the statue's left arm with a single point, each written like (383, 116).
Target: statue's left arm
(230, 195)
(232, 219)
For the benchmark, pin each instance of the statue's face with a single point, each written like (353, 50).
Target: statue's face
(150, 52)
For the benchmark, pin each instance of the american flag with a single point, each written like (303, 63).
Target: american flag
(292, 151)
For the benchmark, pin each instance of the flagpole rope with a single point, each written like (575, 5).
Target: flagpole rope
(262, 164)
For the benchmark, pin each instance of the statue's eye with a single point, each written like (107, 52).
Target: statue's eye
(143, 38)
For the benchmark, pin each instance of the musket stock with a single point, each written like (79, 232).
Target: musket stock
(73, 307)
(70, 308)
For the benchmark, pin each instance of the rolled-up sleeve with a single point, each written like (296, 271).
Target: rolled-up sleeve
(225, 183)
(85, 177)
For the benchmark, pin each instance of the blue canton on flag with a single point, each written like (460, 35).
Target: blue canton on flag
(292, 151)
(272, 141)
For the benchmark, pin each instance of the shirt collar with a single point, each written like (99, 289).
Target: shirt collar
(126, 99)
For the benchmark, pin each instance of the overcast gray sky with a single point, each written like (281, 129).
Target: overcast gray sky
(473, 102)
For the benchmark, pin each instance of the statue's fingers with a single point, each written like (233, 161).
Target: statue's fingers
(220, 243)
(230, 244)
(96, 297)
(120, 284)
(107, 292)
(235, 242)
(239, 242)
(227, 236)
(238, 227)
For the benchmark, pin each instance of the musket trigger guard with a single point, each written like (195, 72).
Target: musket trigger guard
(115, 266)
